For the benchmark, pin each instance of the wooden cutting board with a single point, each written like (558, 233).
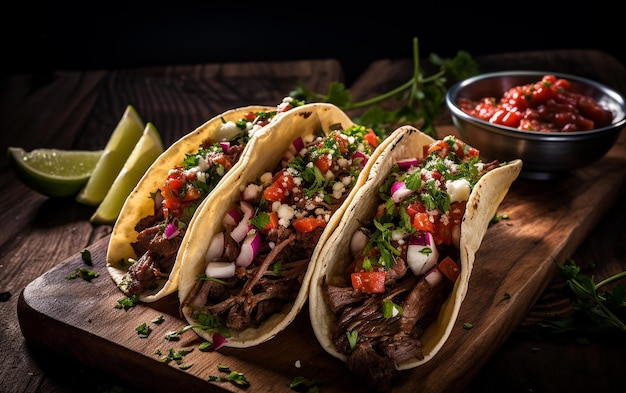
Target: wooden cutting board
(519, 256)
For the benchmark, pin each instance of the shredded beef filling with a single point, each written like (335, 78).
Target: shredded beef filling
(382, 343)
(157, 254)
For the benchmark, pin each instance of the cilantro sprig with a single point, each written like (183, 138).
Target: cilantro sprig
(607, 308)
(421, 98)
(596, 309)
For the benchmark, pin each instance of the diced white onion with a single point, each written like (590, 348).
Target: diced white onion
(220, 269)
(358, 242)
(418, 260)
(216, 248)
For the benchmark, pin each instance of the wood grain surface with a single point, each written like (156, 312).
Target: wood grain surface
(64, 335)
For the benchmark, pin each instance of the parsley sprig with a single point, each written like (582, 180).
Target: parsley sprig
(422, 97)
(596, 309)
(607, 308)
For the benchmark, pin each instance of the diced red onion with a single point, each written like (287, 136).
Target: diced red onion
(216, 248)
(358, 154)
(249, 249)
(358, 242)
(225, 146)
(233, 217)
(242, 228)
(419, 261)
(407, 163)
(298, 144)
(417, 239)
(218, 341)
(220, 269)
(433, 276)
(399, 191)
(171, 231)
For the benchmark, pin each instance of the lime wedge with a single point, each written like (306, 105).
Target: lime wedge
(52, 172)
(149, 147)
(121, 142)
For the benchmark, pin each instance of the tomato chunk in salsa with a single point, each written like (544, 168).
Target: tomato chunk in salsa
(548, 105)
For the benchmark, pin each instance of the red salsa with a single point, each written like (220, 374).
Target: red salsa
(548, 105)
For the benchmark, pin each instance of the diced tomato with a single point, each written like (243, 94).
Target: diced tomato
(368, 282)
(173, 187)
(324, 162)
(275, 192)
(280, 189)
(342, 144)
(421, 222)
(250, 116)
(307, 224)
(443, 231)
(273, 222)
(371, 137)
(415, 208)
(191, 194)
(449, 268)
(380, 210)
(222, 160)
(441, 147)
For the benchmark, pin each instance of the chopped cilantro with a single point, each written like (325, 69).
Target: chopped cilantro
(143, 330)
(234, 377)
(390, 309)
(353, 336)
(86, 257)
(127, 302)
(83, 273)
(301, 384)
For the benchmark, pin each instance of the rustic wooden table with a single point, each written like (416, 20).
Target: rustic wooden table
(47, 346)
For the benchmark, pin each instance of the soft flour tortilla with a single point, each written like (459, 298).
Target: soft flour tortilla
(265, 154)
(139, 204)
(483, 202)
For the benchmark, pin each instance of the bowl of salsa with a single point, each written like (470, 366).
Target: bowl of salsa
(555, 123)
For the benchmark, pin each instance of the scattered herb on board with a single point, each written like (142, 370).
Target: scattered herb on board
(421, 98)
(86, 257)
(85, 274)
(176, 356)
(158, 320)
(234, 377)
(143, 330)
(301, 384)
(596, 309)
(127, 302)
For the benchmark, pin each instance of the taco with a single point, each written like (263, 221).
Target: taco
(146, 237)
(389, 282)
(249, 255)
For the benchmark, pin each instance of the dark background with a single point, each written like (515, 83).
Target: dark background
(93, 35)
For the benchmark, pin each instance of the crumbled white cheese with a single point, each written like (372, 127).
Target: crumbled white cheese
(459, 190)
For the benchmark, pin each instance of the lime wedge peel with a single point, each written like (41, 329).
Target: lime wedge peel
(146, 151)
(117, 150)
(54, 173)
